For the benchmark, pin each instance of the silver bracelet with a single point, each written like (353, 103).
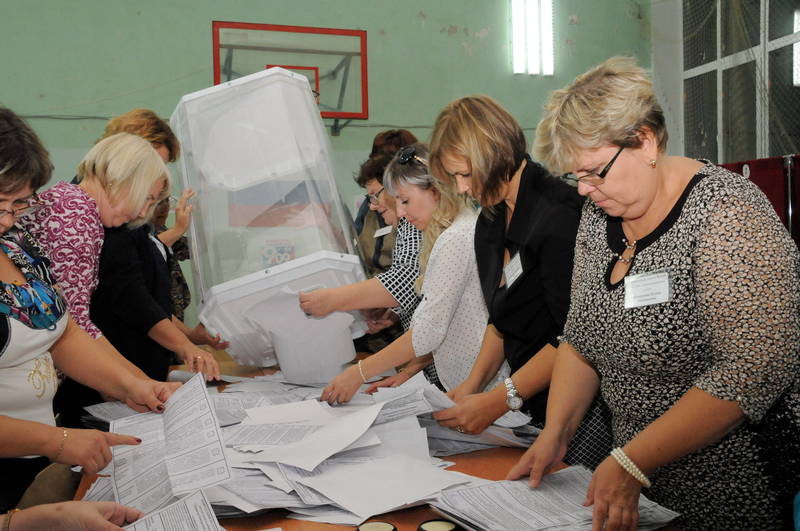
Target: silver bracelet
(629, 466)
(361, 370)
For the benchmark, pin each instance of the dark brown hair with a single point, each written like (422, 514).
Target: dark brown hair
(388, 142)
(23, 159)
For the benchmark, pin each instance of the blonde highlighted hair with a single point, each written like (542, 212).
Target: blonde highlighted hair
(415, 172)
(126, 166)
(148, 125)
(483, 132)
(610, 104)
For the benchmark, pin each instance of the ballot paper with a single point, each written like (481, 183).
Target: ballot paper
(192, 512)
(177, 375)
(394, 482)
(101, 490)
(556, 504)
(323, 443)
(181, 451)
(307, 410)
(493, 435)
(109, 411)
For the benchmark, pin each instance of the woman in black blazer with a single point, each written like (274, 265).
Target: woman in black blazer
(524, 242)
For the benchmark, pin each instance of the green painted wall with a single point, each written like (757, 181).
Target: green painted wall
(92, 59)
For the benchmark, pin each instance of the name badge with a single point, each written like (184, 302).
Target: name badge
(647, 288)
(383, 231)
(512, 270)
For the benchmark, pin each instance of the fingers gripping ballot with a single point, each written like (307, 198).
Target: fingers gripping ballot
(91, 449)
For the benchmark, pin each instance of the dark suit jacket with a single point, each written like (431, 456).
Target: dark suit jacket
(133, 294)
(532, 311)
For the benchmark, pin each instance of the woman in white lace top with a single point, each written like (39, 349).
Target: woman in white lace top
(451, 317)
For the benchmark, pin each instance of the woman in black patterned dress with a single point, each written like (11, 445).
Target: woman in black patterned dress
(685, 313)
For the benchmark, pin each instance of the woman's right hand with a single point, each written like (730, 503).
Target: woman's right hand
(319, 302)
(463, 389)
(76, 515)
(91, 449)
(183, 211)
(545, 453)
(199, 360)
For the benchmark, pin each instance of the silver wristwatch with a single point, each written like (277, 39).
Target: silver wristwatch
(514, 400)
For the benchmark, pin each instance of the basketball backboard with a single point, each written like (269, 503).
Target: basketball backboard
(334, 60)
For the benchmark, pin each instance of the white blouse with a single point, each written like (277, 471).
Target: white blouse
(27, 377)
(451, 318)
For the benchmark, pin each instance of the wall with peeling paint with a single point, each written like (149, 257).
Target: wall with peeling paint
(92, 59)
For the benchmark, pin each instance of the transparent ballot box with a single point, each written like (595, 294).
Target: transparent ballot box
(268, 220)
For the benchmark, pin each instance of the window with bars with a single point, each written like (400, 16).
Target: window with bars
(741, 78)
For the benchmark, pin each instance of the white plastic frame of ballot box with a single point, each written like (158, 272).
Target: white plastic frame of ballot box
(256, 152)
(260, 310)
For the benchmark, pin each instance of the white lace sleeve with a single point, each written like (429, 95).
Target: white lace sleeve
(747, 283)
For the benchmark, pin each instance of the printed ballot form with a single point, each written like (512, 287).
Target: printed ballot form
(181, 451)
(190, 513)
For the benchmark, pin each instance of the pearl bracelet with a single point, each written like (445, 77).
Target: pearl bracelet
(361, 370)
(629, 466)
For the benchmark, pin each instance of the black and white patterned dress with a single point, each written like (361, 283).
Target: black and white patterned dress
(731, 329)
(400, 278)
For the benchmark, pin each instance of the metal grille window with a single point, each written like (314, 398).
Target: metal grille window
(741, 78)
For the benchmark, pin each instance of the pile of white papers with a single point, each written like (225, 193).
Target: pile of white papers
(264, 444)
(556, 504)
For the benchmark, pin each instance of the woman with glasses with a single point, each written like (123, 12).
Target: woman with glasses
(38, 335)
(524, 240)
(450, 318)
(685, 314)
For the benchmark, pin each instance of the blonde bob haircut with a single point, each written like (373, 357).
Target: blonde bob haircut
(126, 166)
(415, 172)
(148, 125)
(611, 104)
(483, 132)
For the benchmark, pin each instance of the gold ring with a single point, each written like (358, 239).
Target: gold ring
(198, 357)
(459, 429)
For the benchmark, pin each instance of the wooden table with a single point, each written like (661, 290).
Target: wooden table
(492, 463)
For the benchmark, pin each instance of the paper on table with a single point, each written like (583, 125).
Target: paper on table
(323, 443)
(181, 450)
(557, 503)
(402, 481)
(101, 490)
(402, 436)
(494, 435)
(177, 375)
(109, 411)
(192, 512)
(308, 410)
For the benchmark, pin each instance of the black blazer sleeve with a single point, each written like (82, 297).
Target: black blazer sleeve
(122, 290)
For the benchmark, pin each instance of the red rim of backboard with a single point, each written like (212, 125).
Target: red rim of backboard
(216, 25)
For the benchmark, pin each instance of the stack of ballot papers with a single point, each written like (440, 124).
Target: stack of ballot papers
(263, 444)
(556, 504)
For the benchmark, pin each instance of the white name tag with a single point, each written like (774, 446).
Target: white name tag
(512, 270)
(647, 288)
(383, 231)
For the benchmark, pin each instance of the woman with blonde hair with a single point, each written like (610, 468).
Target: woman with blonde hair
(450, 318)
(524, 241)
(685, 314)
(121, 179)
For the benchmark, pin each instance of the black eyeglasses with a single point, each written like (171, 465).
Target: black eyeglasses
(409, 154)
(593, 178)
(373, 198)
(26, 207)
